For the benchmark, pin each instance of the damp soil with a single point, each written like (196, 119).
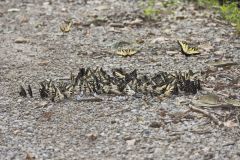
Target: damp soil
(32, 49)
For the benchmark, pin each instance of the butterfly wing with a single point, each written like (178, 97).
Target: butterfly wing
(30, 91)
(69, 90)
(22, 92)
(58, 95)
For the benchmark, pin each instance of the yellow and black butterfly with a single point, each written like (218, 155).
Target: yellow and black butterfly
(186, 50)
(170, 89)
(126, 52)
(129, 91)
(69, 90)
(66, 27)
(58, 96)
(119, 73)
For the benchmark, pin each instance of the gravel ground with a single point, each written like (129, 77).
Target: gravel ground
(33, 48)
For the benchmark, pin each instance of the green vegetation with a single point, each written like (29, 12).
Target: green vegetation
(230, 11)
(207, 2)
(150, 9)
(153, 8)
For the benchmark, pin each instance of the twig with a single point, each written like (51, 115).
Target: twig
(89, 99)
(238, 119)
(176, 133)
(200, 131)
(121, 110)
(212, 117)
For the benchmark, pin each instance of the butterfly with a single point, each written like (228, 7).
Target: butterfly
(186, 50)
(23, 92)
(188, 82)
(170, 89)
(66, 27)
(126, 52)
(58, 96)
(119, 73)
(72, 78)
(68, 91)
(111, 89)
(131, 76)
(129, 91)
(158, 90)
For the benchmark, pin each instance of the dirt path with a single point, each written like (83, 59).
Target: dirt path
(32, 48)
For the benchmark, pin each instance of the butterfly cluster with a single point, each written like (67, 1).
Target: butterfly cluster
(119, 82)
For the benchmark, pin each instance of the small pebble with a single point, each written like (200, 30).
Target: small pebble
(91, 136)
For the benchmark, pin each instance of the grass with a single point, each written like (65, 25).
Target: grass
(232, 14)
(229, 12)
(153, 8)
(150, 10)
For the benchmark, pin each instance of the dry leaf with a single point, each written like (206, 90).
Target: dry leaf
(139, 41)
(137, 21)
(230, 124)
(29, 157)
(155, 124)
(21, 40)
(47, 115)
(207, 47)
(209, 99)
(222, 63)
(171, 53)
(13, 10)
(118, 25)
(43, 63)
(91, 136)
(23, 19)
(233, 102)
(159, 40)
(131, 142)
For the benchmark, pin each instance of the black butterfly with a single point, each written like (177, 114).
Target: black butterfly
(131, 76)
(80, 75)
(187, 82)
